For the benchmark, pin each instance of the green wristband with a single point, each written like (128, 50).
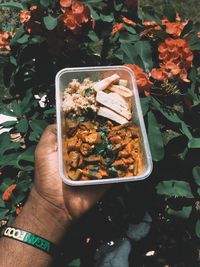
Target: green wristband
(30, 239)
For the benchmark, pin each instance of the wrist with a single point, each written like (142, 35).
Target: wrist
(43, 218)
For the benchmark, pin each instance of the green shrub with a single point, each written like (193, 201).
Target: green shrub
(47, 40)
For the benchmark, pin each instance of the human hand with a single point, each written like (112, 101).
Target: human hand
(71, 202)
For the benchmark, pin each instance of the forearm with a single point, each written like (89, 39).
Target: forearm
(41, 219)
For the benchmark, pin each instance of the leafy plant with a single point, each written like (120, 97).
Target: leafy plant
(162, 50)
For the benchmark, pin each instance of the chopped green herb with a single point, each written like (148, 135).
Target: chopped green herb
(112, 171)
(92, 172)
(88, 91)
(82, 118)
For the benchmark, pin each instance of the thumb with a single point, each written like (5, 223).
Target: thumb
(48, 141)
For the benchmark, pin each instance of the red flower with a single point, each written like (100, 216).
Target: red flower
(75, 17)
(129, 21)
(142, 79)
(70, 20)
(25, 16)
(150, 23)
(152, 29)
(175, 59)
(78, 7)
(18, 210)
(174, 28)
(32, 8)
(116, 28)
(7, 193)
(65, 3)
(4, 43)
(159, 74)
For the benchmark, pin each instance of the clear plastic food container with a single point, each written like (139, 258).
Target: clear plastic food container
(63, 78)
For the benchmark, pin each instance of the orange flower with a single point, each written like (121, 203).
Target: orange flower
(129, 21)
(152, 28)
(159, 74)
(175, 59)
(116, 28)
(150, 23)
(32, 8)
(142, 79)
(78, 15)
(25, 16)
(70, 20)
(18, 210)
(78, 7)
(198, 34)
(174, 28)
(65, 3)
(83, 17)
(7, 193)
(4, 43)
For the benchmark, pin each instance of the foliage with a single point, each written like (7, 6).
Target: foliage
(163, 51)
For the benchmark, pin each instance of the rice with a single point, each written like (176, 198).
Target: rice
(77, 98)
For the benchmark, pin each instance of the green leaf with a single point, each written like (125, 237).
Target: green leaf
(196, 174)
(2, 202)
(147, 13)
(37, 39)
(27, 101)
(5, 111)
(125, 37)
(16, 108)
(174, 188)
(117, 6)
(194, 143)
(50, 22)
(198, 191)
(169, 12)
(107, 18)
(22, 126)
(23, 186)
(197, 228)
(144, 50)
(94, 14)
(27, 155)
(13, 61)
(129, 28)
(75, 263)
(172, 117)
(17, 36)
(45, 3)
(12, 5)
(9, 160)
(184, 213)
(5, 184)
(3, 213)
(92, 35)
(4, 59)
(155, 138)
(145, 104)
(24, 39)
(50, 111)
(128, 50)
(195, 47)
(92, 1)
(8, 124)
(38, 126)
(6, 145)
